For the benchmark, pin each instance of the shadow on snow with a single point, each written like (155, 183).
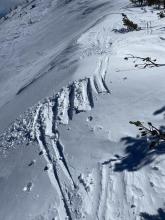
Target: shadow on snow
(159, 216)
(159, 111)
(138, 154)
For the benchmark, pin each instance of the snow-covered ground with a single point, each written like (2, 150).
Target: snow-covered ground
(66, 98)
(6, 5)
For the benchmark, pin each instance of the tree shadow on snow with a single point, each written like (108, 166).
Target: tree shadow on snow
(159, 216)
(159, 111)
(138, 154)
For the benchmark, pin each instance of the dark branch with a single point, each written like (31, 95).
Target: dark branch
(154, 135)
(146, 61)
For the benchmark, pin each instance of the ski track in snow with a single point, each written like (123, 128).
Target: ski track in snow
(125, 195)
(41, 124)
(99, 78)
(103, 191)
(120, 194)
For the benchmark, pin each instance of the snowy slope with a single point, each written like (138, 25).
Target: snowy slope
(40, 43)
(6, 5)
(73, 154)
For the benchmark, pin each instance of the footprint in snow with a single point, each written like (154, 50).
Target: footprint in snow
(90, 118)
(28, 188)
(46, 168)
(32, 163)
(41, 153)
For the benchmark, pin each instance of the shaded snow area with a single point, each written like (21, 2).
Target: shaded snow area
(67, 150)
(7, 5)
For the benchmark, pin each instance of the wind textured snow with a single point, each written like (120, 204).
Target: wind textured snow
(67, 150)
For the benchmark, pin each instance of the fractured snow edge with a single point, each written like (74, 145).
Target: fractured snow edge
(40, 124)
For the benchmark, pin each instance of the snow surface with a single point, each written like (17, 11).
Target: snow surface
(6, 5)
(67, 150)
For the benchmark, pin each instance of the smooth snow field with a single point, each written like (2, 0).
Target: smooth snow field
(67, 150)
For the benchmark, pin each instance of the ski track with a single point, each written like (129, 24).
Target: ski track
(121, 194)
(103, 191)
(99, 78)
(125, 195)
(40, 124)
(96, 44)
(113, 186)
